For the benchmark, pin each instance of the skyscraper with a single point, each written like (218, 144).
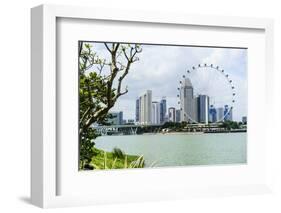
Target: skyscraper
(172, 114)
(137, 110)
(196, 109)
(187, 102)
(178, 115)
(163, 109)
(227, 113)
(220, 114)
(213, 114)
(155, 112)
(145, 107)
(203, 108)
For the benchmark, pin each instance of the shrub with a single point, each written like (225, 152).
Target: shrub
(117, 153)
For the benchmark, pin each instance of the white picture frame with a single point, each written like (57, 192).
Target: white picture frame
(44, 154)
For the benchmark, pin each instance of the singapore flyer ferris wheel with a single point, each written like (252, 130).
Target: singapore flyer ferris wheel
(206, 94)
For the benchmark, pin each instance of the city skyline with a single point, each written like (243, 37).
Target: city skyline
(160, 71)
(221, 112)
(149, 111)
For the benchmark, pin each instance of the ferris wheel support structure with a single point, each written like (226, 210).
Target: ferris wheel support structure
(229, 83)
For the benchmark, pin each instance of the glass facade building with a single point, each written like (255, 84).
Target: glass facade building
(213, 114)
(163, 109)
(203, 108)
(227, 113)
(137, 110)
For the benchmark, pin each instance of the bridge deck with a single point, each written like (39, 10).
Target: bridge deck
(129, 126)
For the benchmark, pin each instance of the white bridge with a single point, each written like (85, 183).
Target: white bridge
(132, 129)
(129, 129)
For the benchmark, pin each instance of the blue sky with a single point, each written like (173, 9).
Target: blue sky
(160, 68)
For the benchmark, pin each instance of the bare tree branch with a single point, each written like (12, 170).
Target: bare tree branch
(85, 115)
(124, 51)
(112, 94)
(105, 44)
(116, 47)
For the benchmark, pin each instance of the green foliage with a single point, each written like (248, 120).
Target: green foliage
(97, 94)
(174, 125)
(108, 160)
(230, 125)
(92, 91)
(183, 123)
(117, 153)
(86, 147)
(93, 96)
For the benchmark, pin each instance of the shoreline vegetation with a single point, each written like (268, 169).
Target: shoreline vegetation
(116, 159)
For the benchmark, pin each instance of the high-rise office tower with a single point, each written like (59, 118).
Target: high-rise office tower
(178, 115)
(163, 110)
(145, 107)
(172, 114)
(196, 109)
(137, 110)
(227, 113)
(187, 102)
(213, 114)
(220, 114)
(155, 112)
(203, 109)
